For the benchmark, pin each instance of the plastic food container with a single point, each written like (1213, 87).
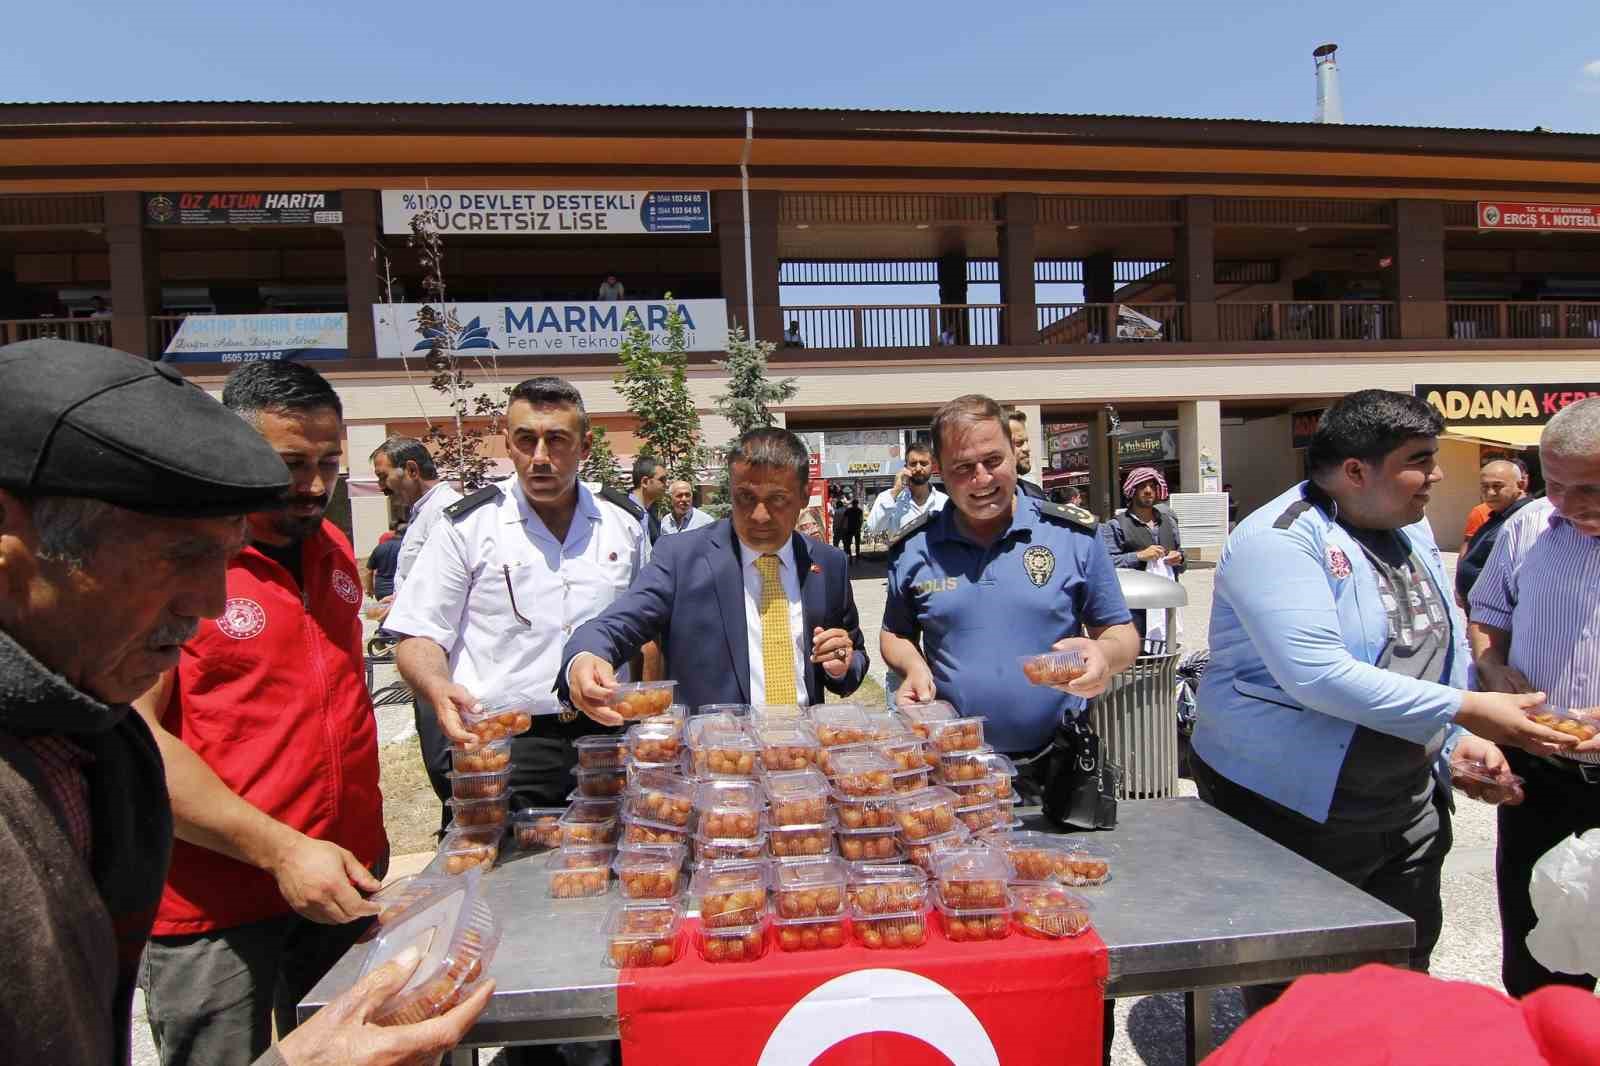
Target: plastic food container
(965, 924)
(924, 814)
(590, 822)
(600, 784)
(456, 933)
(507, 715)
(478, 786)
(600, 752)
(1068, 860)
(1506, 788)
(580, 871)
(810, 934)
(463, 849)
(920, 717)
(983, 790)
(869, 845)
(883, 725)
(643, 934)
(908, 929)
(1003, 771)
(827, 755)
(731, 894)
(862, 772)
(956, 767)
(978, 817)
(762, 715)
(973, 878)
(721, 752)
(708, 850)
(729, 809)
(1049, 911)
(536, 828)
(1053, 667)
(864, 812)
(839, 723)
(799, 798)
(923, 852)
(809, 889)
(654, 872)
(742, 943)
(1573, 723)
(661, 797)
(654, 742)
(788, 745)
(906, 752)
(886, 889)
(960, 734)
(677, 712)
(488, 758)
(472, 813)
(911, 781)
(642, 699)
(801, 841)
(637, 831)
(736, 713)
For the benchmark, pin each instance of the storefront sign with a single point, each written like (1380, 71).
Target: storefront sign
(1304, 426)
(1154, 446)
(1584, 218)
(258, 338)
(543, 328)
(886, 468)
(516, 212)
(242, 209)
(1528, 405)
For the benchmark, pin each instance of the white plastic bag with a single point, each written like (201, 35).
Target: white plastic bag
(1565, 891)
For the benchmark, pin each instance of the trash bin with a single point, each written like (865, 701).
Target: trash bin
(1137, 715)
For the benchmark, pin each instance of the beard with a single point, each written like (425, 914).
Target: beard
(298, 528)
(1024, 464)
(917, 479)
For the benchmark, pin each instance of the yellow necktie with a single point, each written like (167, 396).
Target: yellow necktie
(777, 643)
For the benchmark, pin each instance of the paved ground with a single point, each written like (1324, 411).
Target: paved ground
(1150, 1028)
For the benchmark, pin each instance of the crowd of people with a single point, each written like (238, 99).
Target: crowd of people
(188, 756)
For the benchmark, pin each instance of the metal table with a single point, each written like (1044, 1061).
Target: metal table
(1196, 902)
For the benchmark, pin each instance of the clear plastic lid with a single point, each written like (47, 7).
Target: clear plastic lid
(479, 786)
(966, 924)
(729, 794)
(497, 719)
(644, 831)
(862, 772)
(958, 766)
(1495, 788)
(887, 889)
(1578, 724)
(734, 943)
(731, 893)
(394, 898)
(583, 856)
(978, 817)
(639, 934)
(580, 871)
(457, 934)
(719, 851)
(483, 812)
(839, 723)
(907, 752)
(653, 852)
(537, 828)
(1049, 911)
(590, 822)
(801, 841)
(763, 715)
(883, 725)
(983, 790)
(720, 752)
(661, 797)
(677, 712)
(600, 752)
(487, 758)
(1053, 667)
(924, 852)
(600, 784)
(809, 889)
(790, 745)
(796, 798)
(654, 742)
(907, 781)
(869, 845)
(643, 699)
(973, 877)
(465, 848)
(960, 734)
(919, 716)
(927, 813)
(649, 873)
(734, 712)
(870, 812)
(1069, 859)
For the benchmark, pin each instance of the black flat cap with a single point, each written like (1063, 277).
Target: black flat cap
(82, 420)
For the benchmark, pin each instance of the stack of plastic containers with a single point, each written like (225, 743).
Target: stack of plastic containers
(447, 920)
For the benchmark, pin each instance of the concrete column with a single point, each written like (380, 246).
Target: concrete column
(1415, 278)
(1035, 441)
(369, 515)
(728, 210)
(1199, 440)
(1102, 492)
(1194, 268)
(135, 272)
(362, 221)
(1019, 212)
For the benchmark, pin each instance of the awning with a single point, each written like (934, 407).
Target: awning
(1496, 436)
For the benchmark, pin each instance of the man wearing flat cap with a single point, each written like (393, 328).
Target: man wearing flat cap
(122, 496)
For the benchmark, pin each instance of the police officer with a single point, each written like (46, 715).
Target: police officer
(993, 575)
(507, 577)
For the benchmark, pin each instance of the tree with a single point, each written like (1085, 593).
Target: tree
(602, 466)
(750, 396)
(656, 386)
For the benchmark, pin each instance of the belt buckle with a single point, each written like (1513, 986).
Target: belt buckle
(1590, 772)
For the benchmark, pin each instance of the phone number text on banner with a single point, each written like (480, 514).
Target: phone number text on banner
(531, 211)
(408, 330)
(258, 338)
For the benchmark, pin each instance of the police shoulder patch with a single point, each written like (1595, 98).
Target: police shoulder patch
(1071, 514)
(467, 504)
(912, 526)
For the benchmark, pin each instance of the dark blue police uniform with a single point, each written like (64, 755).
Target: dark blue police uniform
(977, 608)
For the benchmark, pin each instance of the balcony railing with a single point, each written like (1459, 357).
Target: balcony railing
(913, 326)
(162, 329)
(1308, 320)
(1486, 320)
(85, 330)
(1108, 323)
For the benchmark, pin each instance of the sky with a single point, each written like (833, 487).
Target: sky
(1465, 64)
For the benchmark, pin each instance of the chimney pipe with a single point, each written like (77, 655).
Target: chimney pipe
(1330, 108)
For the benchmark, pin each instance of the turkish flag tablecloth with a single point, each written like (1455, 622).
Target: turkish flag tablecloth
(1018, 1001)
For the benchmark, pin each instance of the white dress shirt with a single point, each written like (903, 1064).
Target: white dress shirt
(752, 615)
(498, 592)
(424, 515)
(892, 511)
(695, 519)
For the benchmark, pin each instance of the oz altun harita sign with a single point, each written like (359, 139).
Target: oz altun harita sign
(1539, 217)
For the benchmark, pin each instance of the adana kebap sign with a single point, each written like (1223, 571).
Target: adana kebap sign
(514, 212)
(405, 330)
(258, 338)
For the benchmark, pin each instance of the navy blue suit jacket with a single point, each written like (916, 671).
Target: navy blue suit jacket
(690, 600)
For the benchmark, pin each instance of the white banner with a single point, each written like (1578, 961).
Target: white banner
(543, 328)
(253, 338)
(515, 212)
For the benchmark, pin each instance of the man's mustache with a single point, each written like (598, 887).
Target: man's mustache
(169, 633)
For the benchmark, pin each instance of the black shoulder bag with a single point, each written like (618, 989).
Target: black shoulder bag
(1080, 788)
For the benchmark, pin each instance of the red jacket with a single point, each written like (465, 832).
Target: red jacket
(272, 695)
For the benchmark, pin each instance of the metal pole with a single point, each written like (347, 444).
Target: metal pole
(744, 192)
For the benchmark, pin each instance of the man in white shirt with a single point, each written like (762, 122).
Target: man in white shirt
(682, 514)
(611, 289)
(911, 496)
(747, 612)
(405, 471)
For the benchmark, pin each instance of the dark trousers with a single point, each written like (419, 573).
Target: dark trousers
(1559, 803)
(841, 537)
(1401, 867)
(435, 755)
(212, 998)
